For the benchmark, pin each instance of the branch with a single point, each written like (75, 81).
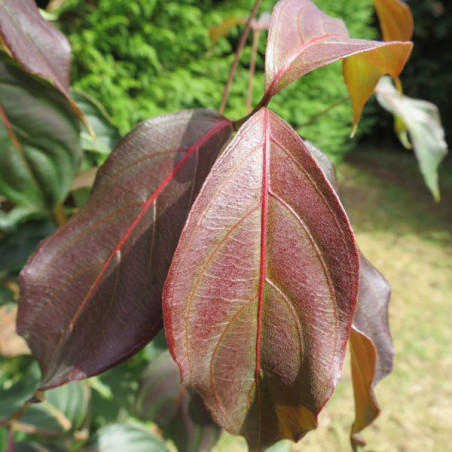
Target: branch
(249, 97)
(318, 115)
(237, 56)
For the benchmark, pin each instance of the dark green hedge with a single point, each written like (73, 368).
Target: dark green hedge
(144, 58)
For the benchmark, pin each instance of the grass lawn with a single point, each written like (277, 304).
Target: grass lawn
(409, 239)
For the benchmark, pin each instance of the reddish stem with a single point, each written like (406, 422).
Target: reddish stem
(237, 56)
(249, 97)
(262, 103)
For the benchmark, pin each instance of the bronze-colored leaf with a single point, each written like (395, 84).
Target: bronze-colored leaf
(396, 20)
(371, 346)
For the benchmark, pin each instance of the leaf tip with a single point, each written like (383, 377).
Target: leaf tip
(436, 195)
(357, 441)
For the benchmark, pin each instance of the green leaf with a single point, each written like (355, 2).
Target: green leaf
(17, 246)
(72, 401)
(423, 122)
(13, 398)
(106, 134)
(63, 409)
(39, 136)
(123, 437)
(156, 346)
(3, 438)
(175, 408)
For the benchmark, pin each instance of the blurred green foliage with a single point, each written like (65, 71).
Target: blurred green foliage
(142, 58)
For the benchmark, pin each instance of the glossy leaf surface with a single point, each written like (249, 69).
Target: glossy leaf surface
(396, 20)
(40, 149)
(176, 409)
(36, 44)
(371, 346)
(91, 293)
(303, 38)
(363, 71)
(423, 122)
(259, 325)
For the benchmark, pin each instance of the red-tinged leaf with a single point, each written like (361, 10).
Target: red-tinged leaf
(91, 293)
(325, 164)
(363, 71)
(371, 346)
(175, 408)
(259, 325)
(37, 45)
(303, 38)
(396, 20)
(262, 23)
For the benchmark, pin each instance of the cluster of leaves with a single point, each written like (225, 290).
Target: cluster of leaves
(141, 59)
(259, 326)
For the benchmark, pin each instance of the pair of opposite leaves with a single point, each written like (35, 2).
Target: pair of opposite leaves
(270, 240)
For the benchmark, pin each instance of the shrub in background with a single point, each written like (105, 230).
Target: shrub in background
(144, 58)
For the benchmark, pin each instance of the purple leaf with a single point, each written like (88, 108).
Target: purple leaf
(259, 325)
(37, 46)
(91, 293)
